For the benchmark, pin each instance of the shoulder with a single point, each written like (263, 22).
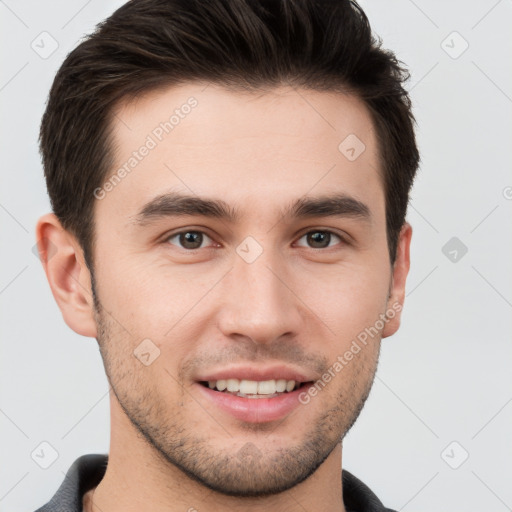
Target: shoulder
(358, 497)
(85, 473)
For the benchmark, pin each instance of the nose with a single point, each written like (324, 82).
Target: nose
(258, 300)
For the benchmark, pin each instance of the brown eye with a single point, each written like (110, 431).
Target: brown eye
(320, 239)
(189, 239)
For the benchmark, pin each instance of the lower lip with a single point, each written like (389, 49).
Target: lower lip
(254, 410)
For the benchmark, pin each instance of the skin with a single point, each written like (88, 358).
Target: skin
(296, 304)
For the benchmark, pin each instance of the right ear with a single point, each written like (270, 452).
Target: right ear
(69, 278)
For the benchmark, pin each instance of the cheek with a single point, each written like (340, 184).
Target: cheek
(347, 298)
(137, 292)
(163, 303)
(138, 368)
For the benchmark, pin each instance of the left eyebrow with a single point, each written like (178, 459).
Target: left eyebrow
(177, 204)
(334, 205)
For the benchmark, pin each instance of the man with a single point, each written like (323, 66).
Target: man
(229, 183)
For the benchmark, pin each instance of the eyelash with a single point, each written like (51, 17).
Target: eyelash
(173, 235)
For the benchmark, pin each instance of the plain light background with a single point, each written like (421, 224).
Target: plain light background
(436, 431)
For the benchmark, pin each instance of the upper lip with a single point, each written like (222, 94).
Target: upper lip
(254, 373)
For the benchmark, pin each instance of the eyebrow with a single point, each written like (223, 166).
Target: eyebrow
(177, 204)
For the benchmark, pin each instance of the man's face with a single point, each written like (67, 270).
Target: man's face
(281, 295)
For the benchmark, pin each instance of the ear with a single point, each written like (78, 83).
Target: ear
(397, 290)
(67, 274)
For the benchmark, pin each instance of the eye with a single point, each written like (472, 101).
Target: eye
(320, 239)
(189, 239)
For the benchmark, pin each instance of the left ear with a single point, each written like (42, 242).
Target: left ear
(397, 291)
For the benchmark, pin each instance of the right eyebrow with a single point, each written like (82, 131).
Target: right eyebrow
(175, 204)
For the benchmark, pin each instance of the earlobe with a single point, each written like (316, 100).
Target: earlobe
(67, 274)
(397, 292)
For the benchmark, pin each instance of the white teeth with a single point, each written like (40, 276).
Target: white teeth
(233, 385)
(267, 387)
(248, 387)
(280, 385)
(253, 387)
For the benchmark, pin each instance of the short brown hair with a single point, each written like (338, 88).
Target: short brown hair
(254, 44)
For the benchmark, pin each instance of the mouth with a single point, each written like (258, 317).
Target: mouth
(252, 401)
(254, 394)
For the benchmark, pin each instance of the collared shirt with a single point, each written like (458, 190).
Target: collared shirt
(88, 470)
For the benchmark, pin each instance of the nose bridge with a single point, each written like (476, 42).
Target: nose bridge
(258, 302)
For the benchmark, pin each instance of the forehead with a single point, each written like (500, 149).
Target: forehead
(259, 149)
